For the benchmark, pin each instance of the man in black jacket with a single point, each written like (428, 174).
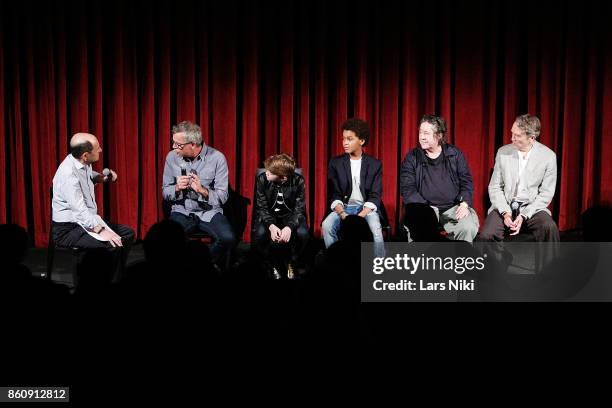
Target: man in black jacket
(436, 174)
(354, 185)
(280, 233)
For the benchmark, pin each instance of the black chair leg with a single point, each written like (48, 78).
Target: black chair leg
(229, 255)
(386, 233)
(76, 255)
(50, 259)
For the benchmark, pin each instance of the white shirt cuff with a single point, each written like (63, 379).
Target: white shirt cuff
(335, 203)
(371, 206)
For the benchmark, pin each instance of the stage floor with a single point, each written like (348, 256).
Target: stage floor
(36, 259)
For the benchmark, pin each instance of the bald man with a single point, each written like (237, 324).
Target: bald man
(76, 222)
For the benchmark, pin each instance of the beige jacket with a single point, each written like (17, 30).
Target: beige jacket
(541, 172)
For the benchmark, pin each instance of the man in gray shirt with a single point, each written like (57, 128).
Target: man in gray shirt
(76, 222)
(196, 185)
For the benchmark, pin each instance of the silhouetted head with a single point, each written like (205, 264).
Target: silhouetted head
(13, 244)
(164, 242)
(95, 270)
(355, 229)
(422, 222)
(597, 223)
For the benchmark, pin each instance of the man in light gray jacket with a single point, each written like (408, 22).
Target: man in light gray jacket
(522, 186)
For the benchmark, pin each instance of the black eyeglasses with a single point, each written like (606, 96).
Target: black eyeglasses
(178, 145)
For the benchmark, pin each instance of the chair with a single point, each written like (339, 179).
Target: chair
(75, 252)
(384, 222)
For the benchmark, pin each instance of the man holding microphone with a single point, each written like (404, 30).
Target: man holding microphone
(522, 186)
(195, 183)
(76, 223)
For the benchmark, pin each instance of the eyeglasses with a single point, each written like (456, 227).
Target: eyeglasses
(177, 145)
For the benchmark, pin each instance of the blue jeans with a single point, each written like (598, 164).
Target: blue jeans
(218, 228)
(331, 224)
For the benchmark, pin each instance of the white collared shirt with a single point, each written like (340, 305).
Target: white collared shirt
(74, 198)
(522, 192)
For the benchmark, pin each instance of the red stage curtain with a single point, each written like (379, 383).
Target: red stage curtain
(262, 78)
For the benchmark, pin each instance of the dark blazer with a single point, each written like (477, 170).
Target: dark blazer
(294, 192)
(340, 185)
(411, 175)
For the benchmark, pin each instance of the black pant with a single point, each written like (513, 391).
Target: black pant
(273, 253)
(72, 235)
(541, 225)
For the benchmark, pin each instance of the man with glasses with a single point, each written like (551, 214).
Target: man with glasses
(195, 182)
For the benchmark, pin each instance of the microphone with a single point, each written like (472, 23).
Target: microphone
(515, 209)
(184, 173)
(107, 174)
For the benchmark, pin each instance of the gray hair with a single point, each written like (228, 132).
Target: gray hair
(193, 133)
(530, 124)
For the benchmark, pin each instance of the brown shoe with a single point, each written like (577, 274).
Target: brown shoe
(290, 273)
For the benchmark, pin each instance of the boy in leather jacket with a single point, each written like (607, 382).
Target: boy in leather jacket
(280, 232)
